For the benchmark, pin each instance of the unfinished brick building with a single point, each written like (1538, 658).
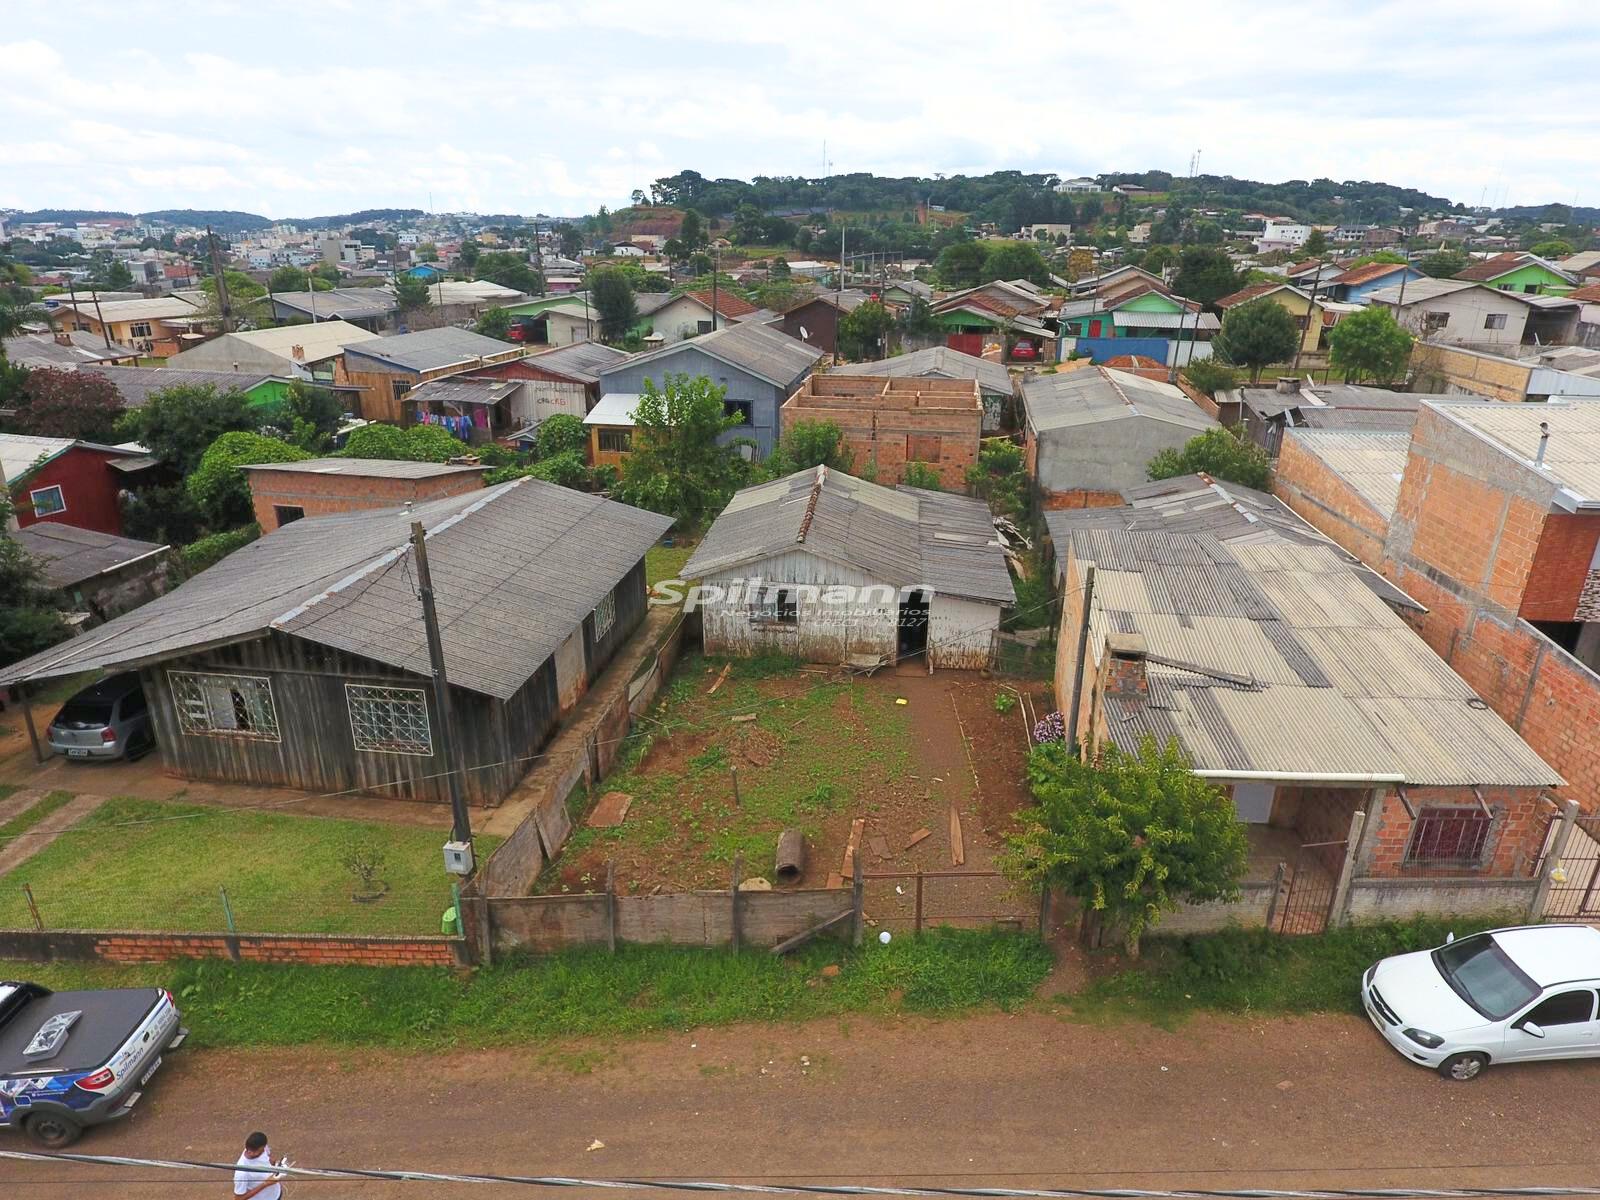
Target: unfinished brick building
(319, 487)
(890, 422)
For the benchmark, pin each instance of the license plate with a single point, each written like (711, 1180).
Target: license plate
(145, 1078)
(76, 753)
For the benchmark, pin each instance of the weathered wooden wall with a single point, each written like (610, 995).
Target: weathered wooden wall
(961, 632)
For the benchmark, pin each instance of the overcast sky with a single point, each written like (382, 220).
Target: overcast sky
(298, 109)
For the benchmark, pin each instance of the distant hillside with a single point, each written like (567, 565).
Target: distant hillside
(221, 220)
(365, 217)
(70, 216)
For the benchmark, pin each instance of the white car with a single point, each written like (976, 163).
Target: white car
(1508, 995)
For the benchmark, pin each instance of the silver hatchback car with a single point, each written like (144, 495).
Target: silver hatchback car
(109, 719)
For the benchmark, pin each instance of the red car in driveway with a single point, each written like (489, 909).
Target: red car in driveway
(1025, 351)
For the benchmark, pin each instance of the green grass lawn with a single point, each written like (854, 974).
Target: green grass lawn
(30, 816)
(581, 992)
(139, 864)
(666, 562)
(817, 746)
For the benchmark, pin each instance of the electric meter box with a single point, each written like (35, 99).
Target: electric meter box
(458, 858)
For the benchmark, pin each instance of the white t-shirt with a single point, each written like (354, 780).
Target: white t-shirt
(252, 1172)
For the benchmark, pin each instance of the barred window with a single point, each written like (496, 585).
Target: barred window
(1448, 836)
(389, 720)
(605, 615)
(231, 705)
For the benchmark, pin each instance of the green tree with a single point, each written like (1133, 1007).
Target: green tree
(307, 417)
(509, 270)
(467, 257)
(961, 265)
(67, 404)
(921, 475)
(571, 241)
(678, 465)
(1129, 836)
(1210, 376)
(864, 330)
(221, 489)
(562, 433)
(614, 303)
(328, 273)
(29, 620)
(118, 277)
(807, 444)
(1016, 260)
(287, 279)
(1369, 344)
(495, 323)
(919, 321)
(1255, 334)
(1316, 245)
(1443, 263)
(419, 443)
(1205, 274)
(164, 514)
(778, 268)
(1222, 453)
(1551, 248)
(426, 252)
(692, 233)
(15, 318)
(179, 423)
(412, 293)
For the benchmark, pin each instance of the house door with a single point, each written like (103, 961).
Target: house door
(1094, 328)
(913, 624)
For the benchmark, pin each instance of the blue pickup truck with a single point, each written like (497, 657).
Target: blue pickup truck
(69, 1060)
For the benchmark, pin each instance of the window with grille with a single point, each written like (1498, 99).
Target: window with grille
(605, 615)
(389, 720)
(1448, 837)
(230, 705)
(616, 441)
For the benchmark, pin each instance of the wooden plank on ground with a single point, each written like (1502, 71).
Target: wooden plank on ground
(857, 828)
(958, 850)
(726, 667)
(918, 836)
(879, 844)
(610, 811)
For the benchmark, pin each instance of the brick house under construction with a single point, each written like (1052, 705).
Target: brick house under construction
(890, 422)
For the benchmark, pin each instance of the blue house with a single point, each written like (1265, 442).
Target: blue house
(428, 271)
(759, 367)
(1358, 283)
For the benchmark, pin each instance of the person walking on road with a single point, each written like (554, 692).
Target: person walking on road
(254, 1177)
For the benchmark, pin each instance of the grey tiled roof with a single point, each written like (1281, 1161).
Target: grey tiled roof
(431, 349)
(580, 360)
(1091, 395)
(137, 384)
(899, 536)
(516, 568)
(70, 555)
(759, 349)
(943, 362)
(42, 350)
(367, 468)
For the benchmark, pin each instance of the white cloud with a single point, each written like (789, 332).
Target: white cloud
(306, 107)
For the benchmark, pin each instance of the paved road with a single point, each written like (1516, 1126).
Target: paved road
(1027, 1099)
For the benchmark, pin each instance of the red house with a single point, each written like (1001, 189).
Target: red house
(71, 482)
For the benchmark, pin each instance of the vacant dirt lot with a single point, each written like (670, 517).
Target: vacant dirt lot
(815, 749)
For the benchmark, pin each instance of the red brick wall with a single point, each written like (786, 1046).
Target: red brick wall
(322, 495)
(1304, 482)
(1560, 566)
(1080, 498)
(135, 947)
(1515, 838)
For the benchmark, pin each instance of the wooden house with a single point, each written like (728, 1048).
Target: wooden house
(301, 660)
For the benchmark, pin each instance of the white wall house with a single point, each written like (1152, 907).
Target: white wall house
(829, 568)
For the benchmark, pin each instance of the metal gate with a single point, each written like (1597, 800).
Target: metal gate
(1310, 888)
(1577, 895)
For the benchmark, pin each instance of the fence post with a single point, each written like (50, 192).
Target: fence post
(858, 900)
(33, 907)
(1277, 895)
(611, 905)
(1558, 847)
(918, 925)
(737, 803)
(27, 718)
(1341, 890)
(733, 894)
(232, 940)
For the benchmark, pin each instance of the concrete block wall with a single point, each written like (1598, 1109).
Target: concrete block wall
(308, 949)
(1324, 499)
(1439, 368)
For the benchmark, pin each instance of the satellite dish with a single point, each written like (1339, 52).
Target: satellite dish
(804, 336)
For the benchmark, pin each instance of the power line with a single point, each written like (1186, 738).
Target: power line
(822, 1189)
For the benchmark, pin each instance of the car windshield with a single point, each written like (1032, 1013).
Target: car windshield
(85, 712)
(1483, 975)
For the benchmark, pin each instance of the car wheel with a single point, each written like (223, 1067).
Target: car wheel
(1462, 1067)
(52, 1130)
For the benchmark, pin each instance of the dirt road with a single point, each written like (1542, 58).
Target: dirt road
(995, 1100)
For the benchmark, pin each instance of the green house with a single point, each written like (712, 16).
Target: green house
(1521, 272)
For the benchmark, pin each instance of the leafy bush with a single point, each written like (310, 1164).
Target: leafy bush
(1210, 376)
(419, 443)
(1222, 453)
(1004, 702)
(220, 488)
(921, 475)
(210, 550)
(561, 434)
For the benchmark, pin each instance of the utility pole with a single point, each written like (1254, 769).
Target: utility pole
(1311, 313)
(838, 293)
(716, 260)
(224, 305)
(462, 831)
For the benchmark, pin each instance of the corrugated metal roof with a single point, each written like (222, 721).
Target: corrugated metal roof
(1371, 462)
(943, 363)
(321, 340)
(1572, 456)
(42, 350)
(137, 384)
(432, 349)
(344, 304)
(70, 555)
(614, 408)
(1132, 319)
(367, 468)
(580, 360)
(1089, 397)
(759, 349)
(516, 568)
(464, 389)
(1268, 650)
(899, 536)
